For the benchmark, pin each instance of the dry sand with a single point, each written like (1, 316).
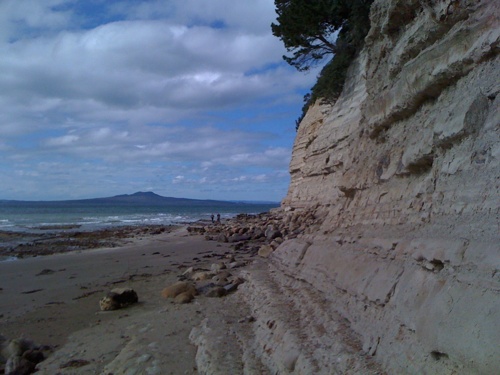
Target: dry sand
(54, 300)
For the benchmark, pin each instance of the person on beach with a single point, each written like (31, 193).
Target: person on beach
(212, 218)
(218, 218)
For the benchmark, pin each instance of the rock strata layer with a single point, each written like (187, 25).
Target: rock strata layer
(404, 171)
(389, 253)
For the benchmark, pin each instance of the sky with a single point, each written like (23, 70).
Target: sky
(186, 98)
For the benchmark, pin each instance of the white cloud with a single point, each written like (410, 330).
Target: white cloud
(16, 16)
(178, 179)
(206, 146)
(252, 16)
(65, 140)
(150, 92)
(131, 70)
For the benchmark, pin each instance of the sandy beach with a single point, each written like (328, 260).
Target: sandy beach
(54, 301)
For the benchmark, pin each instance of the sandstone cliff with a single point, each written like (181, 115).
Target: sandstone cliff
(403, 175)
(399, 183)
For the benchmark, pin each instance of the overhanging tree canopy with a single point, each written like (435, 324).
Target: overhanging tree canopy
(313, 29)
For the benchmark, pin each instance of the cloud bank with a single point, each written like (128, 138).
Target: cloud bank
(184, 98)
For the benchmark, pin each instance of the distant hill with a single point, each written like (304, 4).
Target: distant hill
(153, 198)
(139, 198)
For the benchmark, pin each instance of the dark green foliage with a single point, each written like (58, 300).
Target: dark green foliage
(307, 30)
(331, 79)
(315, 29)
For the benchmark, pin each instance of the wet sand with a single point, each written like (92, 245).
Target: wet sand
(47, 240)
(54, 300)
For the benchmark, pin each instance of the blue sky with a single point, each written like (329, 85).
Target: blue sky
(186, 98)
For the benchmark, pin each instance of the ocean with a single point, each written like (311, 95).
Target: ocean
(24, 216)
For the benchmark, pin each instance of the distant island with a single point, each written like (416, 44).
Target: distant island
(136, 199)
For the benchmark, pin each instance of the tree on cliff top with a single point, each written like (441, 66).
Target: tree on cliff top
(313, 29)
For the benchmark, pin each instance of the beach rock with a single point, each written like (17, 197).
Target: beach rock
(204, 287)
(236, 264)
(16, 347)
(280, 240)
(19, 356)
(184, 297)
(196, 230)
(222, 238)
(179, 287)
(230, 287)
(118, 298)
(257, 234)
(216, 292)
(34, 355)
(216, 267)
(219, 279)
(265, 251)
(239, 238)
(17, 365)
(272, 234)
(201, 275)
(236, 280)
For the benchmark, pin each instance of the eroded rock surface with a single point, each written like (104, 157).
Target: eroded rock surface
(389, 255)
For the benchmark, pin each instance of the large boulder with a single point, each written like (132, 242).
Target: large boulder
(19, 356)
(178, 288)
(184, 297)
(272, 233)
(118, 298)
(265, 251)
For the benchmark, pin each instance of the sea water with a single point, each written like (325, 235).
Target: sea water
(29, 217)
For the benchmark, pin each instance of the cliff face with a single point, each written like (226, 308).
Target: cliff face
(391, 226)
(402, 176)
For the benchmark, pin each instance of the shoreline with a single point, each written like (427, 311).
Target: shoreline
(62, 239)
(53, 300)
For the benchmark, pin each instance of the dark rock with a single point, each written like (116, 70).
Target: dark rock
(17, 365)
(230, 288)
(17, 347)
(239, 238)
(204, 288)
(272, 233)
(217, 267)
(118, 298)
(236, 264)
(216, 292)
(222, 238)
(258, 233)
(34, 355)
